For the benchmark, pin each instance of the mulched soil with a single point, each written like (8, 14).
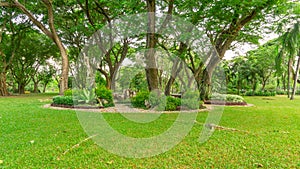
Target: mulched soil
(76, 107)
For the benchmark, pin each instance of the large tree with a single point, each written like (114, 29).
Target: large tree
(33, 10)
(30, 57)
(11, 35)
(290, 43)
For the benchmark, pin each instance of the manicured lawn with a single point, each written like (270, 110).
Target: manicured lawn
(35, 137)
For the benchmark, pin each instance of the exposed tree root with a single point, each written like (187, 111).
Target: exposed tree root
(212, 126)
(76, 145)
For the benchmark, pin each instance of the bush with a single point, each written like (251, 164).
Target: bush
(172, 103)
(88, 96)
(228, 98)
(157, 101)
(260, 93)
(281, 92)
(68, 92)
(234, 98)
(190, 100)
(167, 103)
(270, 88)
(105, 95)
(139, 99)
(64, 100)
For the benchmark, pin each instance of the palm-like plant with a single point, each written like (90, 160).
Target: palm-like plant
(290, 46)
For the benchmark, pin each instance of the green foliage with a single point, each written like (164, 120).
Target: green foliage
(64, 100)
(172, 103)
(270, 88)
(99, 79)
(139, 99)
(260, 93)
(281, 92)
(157, 101)
(190, 100)
(234, 98)
(139, 82)
(163, 102)
(68, 92)
(228, 98)
(105, 95)
(88, 96)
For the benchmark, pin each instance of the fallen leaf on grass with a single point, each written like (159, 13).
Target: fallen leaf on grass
(1, 161)
(110, 162)
(32, 141)
(258, 165)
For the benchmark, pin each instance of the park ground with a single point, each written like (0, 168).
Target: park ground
(35, 137)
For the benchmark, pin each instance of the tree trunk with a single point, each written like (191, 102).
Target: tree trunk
(36, 87)
(21, 88)
(289, 77)
(284, 82)
(151, 67)
(65, 70)
(263, 85)
(174, 73)
(296, 77)
(3, 87)
(44, 88)
(207, 73)
(254, 85)
(52, 34)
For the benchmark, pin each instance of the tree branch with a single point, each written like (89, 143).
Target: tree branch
(33, 19)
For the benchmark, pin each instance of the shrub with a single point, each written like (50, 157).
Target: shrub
(281, 92)
(190, 100)
(270, 88)
(88, 96)
(139, 99)
(64, 100)
(157, 101)
(234, 98)
(105, 95)
(218, 96)
(260, 93)
(167, 103)
(68, 92)
(172, 103)
(228, 98)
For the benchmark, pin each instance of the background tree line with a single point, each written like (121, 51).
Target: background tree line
(32, 32)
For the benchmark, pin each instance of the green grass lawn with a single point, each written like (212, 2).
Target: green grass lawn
(34, 137)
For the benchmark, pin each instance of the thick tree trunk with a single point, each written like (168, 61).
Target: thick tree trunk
(21, 88)
(52, 34)
(3, 87)
(205, 87)
(65, 70)
(296, 78)
(151, 67)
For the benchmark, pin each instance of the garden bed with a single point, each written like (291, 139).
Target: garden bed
(226, 103)
(76, 106)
